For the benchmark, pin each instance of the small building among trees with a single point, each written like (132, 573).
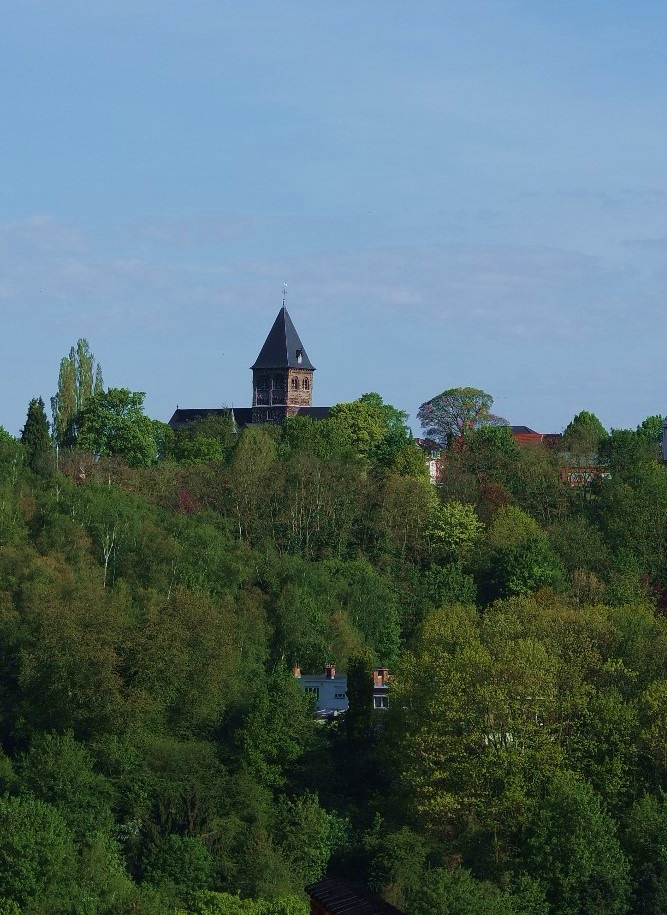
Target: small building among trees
(331, 693)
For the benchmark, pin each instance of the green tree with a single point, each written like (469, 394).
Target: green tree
(517, 557)
(253, 480)
(180, 865)
(308, 835)
(492, 454)
(409, 461)
(205, 441)
(316, 505)
(36, 439)
(584, 434)
(453, 531)
(653, 712)
(164, 786)
(469, 701)
(449, 584)
(114, 423)
(98, 384)
(369, 604)
(628, 454)
(376, 432)
(276, 730)
(574, 851)
(69, 666)
(579, 544)
(455, 412)
(397, 449)
(395, 420)
(59, 770)
(362, 424)
(11, 457)
(651, 428)
(604, 745)
(37, 857)
(457, 892)
(183, 657)
(645, 842)
(630, 511)
(397, 862)
(406, 506)
(538, 486)
(228, 904)
(319, 437)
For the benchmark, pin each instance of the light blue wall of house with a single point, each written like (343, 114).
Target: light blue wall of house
(330, 693)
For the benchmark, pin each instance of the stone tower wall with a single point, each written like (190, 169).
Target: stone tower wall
(299, 388)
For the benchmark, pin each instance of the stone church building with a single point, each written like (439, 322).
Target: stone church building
(282, 383)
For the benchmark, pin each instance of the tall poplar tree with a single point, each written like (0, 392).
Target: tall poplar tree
(84, 373)
(63, 403)
(80, 377)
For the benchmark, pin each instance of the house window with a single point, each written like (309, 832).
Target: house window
(295, 384)
(380, 701)
(340, 695)
(306, 384)
(313, 691)
(299, 356)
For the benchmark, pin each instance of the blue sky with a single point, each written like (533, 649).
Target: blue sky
(458, 193)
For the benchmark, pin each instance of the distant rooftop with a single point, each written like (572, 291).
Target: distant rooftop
(339, 897)
(522, 430)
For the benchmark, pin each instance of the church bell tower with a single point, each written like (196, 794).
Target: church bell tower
(282, 376)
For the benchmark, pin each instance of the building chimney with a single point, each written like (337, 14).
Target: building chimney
(330, 672)
(380, 676)
(297, 671)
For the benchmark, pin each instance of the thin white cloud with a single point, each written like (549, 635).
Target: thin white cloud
(41, 232)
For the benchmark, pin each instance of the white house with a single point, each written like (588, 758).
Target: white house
(330, 691)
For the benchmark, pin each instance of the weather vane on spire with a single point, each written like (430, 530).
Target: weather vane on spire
(284, 292)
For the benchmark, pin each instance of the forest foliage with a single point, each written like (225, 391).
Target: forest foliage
(156, 589)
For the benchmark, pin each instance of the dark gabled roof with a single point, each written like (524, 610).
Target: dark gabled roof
(242, 415)
(282, 346)
(183, 417)
(339, 897)
(522, 430)
(314, 412)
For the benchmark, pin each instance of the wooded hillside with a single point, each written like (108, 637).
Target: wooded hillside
(156, 589)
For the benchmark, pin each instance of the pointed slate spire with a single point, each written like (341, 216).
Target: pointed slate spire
(282, 348)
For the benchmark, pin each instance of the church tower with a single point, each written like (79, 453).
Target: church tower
(282, 376)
